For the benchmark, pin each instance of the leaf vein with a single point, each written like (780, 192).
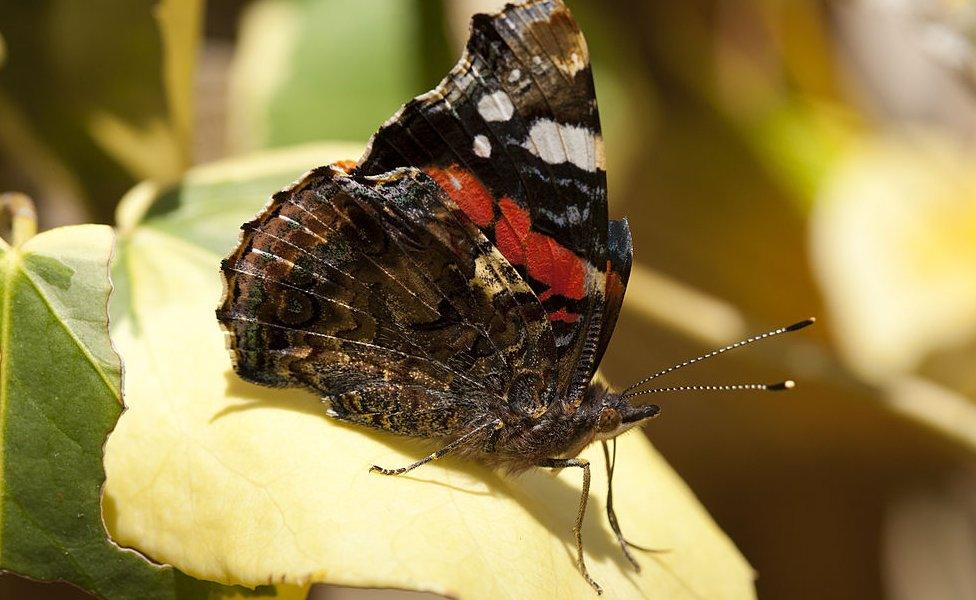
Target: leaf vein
(71, 334)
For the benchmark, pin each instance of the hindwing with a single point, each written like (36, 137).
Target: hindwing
(379, 294)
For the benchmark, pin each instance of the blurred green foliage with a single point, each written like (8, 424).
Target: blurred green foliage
(330, 69)
(71, 68)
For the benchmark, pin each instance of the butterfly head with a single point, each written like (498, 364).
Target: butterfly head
(617, 415)
(614, 412)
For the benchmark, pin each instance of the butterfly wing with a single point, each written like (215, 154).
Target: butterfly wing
(621, 256)
(512, 134)
(380, 295)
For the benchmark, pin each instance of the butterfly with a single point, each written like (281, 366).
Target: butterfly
(462, 280)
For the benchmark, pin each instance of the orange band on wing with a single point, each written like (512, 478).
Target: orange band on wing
(466, 191)
(564, 315)
(511, 231)
(556, 266)
(545, 259)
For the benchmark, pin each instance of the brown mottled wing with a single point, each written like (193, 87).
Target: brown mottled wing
(378, 294)
(512, 134)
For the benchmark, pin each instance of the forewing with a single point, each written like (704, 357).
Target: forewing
(621, 256)
(378, 294)
(512, 134)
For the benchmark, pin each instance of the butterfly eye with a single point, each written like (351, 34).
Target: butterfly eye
(609, 420)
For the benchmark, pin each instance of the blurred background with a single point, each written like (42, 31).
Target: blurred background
(778, 159)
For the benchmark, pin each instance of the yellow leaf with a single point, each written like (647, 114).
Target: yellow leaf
(243, 484)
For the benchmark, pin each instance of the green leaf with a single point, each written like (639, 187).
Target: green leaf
(59, 398)
(244, 484)
(322, 69)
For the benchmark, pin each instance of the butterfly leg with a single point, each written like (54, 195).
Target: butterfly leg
(559, 463)
(611, 514)
(434, 456)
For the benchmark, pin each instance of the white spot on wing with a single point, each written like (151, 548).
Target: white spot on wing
(496, 106)
(557, 143)
(482, 147)
(514, 76)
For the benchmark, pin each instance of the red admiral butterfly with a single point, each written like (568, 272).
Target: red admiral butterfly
(462, 280)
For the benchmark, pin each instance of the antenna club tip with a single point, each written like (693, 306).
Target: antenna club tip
(802, 324)
(789, 384)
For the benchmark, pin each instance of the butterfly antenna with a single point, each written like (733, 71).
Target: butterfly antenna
(789, 384)
(775, 332)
